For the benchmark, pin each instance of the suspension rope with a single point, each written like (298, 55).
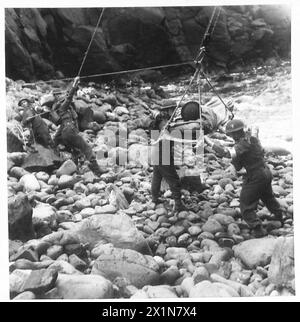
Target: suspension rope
(216, 93)
(116, 73)
(206, 33)
(89, 46)
(216, 20)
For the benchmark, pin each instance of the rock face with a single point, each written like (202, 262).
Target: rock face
(140, 270)
(20, 217)
(282, 269)
(255, 252)
(39, 39)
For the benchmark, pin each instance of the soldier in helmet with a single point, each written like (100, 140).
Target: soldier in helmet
(35, 123)
(248, 153)
(68, 133)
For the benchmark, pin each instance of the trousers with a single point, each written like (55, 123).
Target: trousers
(41, 132)
(169, 173)
(68, 134)
(257, 185)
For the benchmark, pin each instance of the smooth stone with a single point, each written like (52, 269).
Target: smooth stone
(81, 287)
(255, 252)
(212, 226)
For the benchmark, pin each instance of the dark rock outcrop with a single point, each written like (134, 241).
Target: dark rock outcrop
(48, 42)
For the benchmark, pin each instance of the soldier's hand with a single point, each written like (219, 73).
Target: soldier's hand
(76, 81)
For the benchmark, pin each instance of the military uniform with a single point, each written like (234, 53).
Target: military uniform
(257, 183)
(39, 127)
(68, 132)
(164, 167)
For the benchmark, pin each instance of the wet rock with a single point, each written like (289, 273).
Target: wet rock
(17, 281)
(102, 229)
(30, 183)
(233, 229)
(25, 252)
(208, 289)
(40, 281)
(255, 252)
(212, 226)
(242, 290)
(160, 291)
(200, 274)
(139, 269)
(67, 181)
(55, 251)
(27, 264)
(170, 275)
(176, 253)
(77, 262)
(194, 230)
(67, 168)
(222, 219)
(186, 285)
(107, 209)
(81, 287)
(63, 267)
(44, 213)
(282, 270)
(18, 172)
(20, 217)
(25, 296)
(87, 212)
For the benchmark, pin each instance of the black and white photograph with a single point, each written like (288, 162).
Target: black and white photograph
(149, 151)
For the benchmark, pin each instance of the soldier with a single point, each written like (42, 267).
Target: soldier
(35, 123)
(163, 153)
(257, 184)
(64, 114)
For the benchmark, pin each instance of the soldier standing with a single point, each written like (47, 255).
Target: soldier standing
(257, 184)
(68, 133)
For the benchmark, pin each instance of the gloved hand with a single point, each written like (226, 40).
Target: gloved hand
(76, 81)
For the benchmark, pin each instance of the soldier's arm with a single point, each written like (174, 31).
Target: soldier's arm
(220, 150)
(70, 94)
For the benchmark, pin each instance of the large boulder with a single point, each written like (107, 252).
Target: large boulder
(20, 217)
(102, 229)
(255, 252)
(282, 267)
(209, 289)
(42, 160)
(139, 269)
(81, 287)
(38, 281)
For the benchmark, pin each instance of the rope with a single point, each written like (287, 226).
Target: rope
(215, 92)
(208, 27)
(217, 18)
(116, 73)
(89, 46)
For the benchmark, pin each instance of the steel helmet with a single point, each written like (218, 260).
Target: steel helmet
(190, 111)
(234, 126)
(24, 99)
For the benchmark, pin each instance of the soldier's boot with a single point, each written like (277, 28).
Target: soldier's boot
(278, 216)
(179, 206)
(259, 232)
(157, 201)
